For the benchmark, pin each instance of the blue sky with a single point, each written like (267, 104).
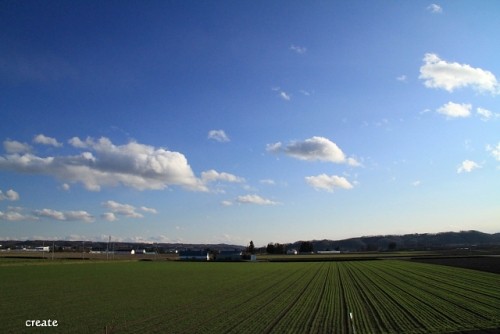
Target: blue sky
(189, 121)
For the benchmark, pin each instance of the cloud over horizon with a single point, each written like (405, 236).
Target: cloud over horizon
(103, 163)
(64, 215)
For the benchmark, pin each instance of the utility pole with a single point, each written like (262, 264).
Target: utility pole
(107, 248)
(53, 248)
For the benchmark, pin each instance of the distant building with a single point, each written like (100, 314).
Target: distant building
(329, 252)
(292, 252)
(229, 256)
(194, 256)
(42, 249)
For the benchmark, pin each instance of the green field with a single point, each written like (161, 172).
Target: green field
(384, 296)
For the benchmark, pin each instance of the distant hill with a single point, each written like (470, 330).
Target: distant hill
(78, 246)
(444, 240)
(426, 241)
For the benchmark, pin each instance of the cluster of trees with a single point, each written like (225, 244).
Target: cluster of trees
(277, 248)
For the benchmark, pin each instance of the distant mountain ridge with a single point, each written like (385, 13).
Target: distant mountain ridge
(443, 240)
(416, 241)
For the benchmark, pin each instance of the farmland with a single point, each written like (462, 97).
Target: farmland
(383, 296)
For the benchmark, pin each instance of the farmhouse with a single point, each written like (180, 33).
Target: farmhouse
(194, 256)
(292, 252)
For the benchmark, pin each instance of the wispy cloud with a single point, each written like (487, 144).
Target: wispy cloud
(120, 209)
(285, 96)
(494, 151)
(298, 49)
(212, 176)
(486, 114)
(149, 210)
(435, 9)
(218, 135)
(438, 73)
(467, 166)
(328, 182)
(281, 93)
(268, 182)
(255, 199)
(416, 183)
(402, 78)
(455, 110)
(315, 148)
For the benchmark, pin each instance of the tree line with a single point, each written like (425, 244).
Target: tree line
(277, 248)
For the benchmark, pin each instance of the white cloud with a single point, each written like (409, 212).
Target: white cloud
(255, 199)
(454, 110)
(218, 135)
(298, 49)
(10, 195)
(467, 166)
(44, 140)
(14, 146)
(486, 114)
(494, 151)
(435, 9)
(64, 215)
(126, 210)
(285, 96)
(315, 148)
(213, 175)
(328, 183)
(416, 183)
(149, 210)
(438, 73)
(226, 203)
(15, 214)
(402, 78)
(78, 143)
(133, 165)
(268, 182)
(109, 216)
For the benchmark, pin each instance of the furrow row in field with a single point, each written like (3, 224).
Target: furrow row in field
(346, 303)
(476, 309)
(472, 282)
(229, 295)
(387, 312)
(434, 299)
(300, 314)
(392, 297)
(281, 321)
(266, 309)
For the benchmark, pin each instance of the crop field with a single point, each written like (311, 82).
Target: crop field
(384, 296)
